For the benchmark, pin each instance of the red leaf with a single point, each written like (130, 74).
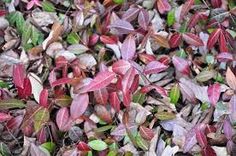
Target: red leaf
(201, 138)
(185, 8)
(2, 13)
(230, 79)
(101, 80)
(208, 151)
(114, 101)
(146, 58)
(225, 57)
(128, 48)
(79, 105)
(61, 81)
(4, 117)
(121, 67)
(101, 96)
(154, 67)
(193, 20)
(181, 65)
(128, 79)
(213, 38)
(143, 19)
(223, 43)
(126, 98)
(192, 39)
(26, 91)
(109, 39)
(62, 119)
(19, 75)
(175, 40)
(122, 26)
(43, 98)
(135, 84)
(216, 3)
(165, 59)
(82, 146)
(163, 6)
(214, 93)
(146, 133)
(130, 14)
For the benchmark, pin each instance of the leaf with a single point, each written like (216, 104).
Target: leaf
(192, 39)
(109, 39)
(36, 85)
(114, 101)
(175, 94)
(40, 118)
(50, 146)
(232, 109)
(61, 81)
(48, 6)
(146, 133)
(175, 40)
(213, 38)
(185, 8)
(138, 97)
(143, 144)
(162, 41)
(128, 48)
(165, 115)
(214, 93)
(73, 38)
(62, 119)
(101, 80)
(122, 26)
(228, 130)
(121, 67)
(181, 65)
(4, 117)
(4, 150)
(201, 138)
(63, 100)
(230, 79)
(43, 98)
(101, 96)
(26, 33)
(224, 57)
(79, 105)
(10, 104)
(163, 6)
(143, 19)
(82, 146)
(154, 67)
(130, 14)
(19, 75)
(97, 145)
(205, 75)
(223, 43)
(35, 35)
(171, 17)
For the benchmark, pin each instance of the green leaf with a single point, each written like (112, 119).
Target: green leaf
(35, 35)
(112, 153)
(4, 150)
(48, 6)
(40, 118)
(26, 33)
(181, 53)
(3, 84)
(11, 103)
(219, 78)
(143, 144)
(165, 115)
(103, 129)
(73, 38)
(205, 75)
(50, 146)
(174, 94)
(183, 27)
(171, 17)
(63, 100)
(138, 97)
(18, 19)
(98, 145)
(118, 1)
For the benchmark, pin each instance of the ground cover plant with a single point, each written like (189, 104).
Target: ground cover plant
(117, 77)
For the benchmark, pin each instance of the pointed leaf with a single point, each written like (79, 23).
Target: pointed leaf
(185, 8)
(10, 104)
(163, 6)
(121, 67)
(175, 94)
(101, 96)
(19, 75)
(181, 65)
(160, 40)
(214, 93)
(122, 26)
(130, 14)
(79, 105)
(114, 101)
(43, 98)
(98, 145)
(213, 38)
(143, 19)
(192, 39)
(154, 67)
(128, 48)
(175, 40)
(40, 118)
(62, 118)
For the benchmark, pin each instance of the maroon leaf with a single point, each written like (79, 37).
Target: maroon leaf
(143, 19)
(109, 39)
(154, 67)
(82, 146)
(223, 43)
(14, 123)
(62, 119)
(181, 65)
(61, 81)
(213, 38)
(128, 48)
(163, 6)
(101, 80)
(101, 96)
(114, 101)
(131, 14)
(193, 20)
(208, 151)
(146, 133)
(2, 13)
(122, 26)
(121, 67)
(4, 117)
(19, 75)
(79, 105)
(192, 39)
(175, 40)
(185, 8)
(26, 91)
(214, 93)
(216, 3)
(43, 98)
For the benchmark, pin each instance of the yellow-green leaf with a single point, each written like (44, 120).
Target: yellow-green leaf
(165, 115)
(40, 118)
(11, 103)
(174, 94)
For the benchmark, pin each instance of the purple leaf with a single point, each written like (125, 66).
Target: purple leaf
(122, 26)
(79, 105)
(128, 48)
(143, 19)
(154, 67)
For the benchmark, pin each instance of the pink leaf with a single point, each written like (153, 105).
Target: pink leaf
(128, 48)
(115, 101)
(4, 117)
(201, 138)
(43, 98)
(61, 81)
(181, 65)
(79, 105)
(14, 123)
(192, 39)
(101, 80)
(225, 57)
(214, 93)
(146, 133)
(130, 14)
(175, 40)
(101, 96)
(109, 39)
(122, 26)
(143, 19)
(163, 6)
(146, 58)
(62, 119)
(135, 84)
(185, 8)
(213, 38)
(231, 79)
(128, 79)
(121, 67)
(126, 98)
(26, 91)
(154, 67)
(19, 75)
